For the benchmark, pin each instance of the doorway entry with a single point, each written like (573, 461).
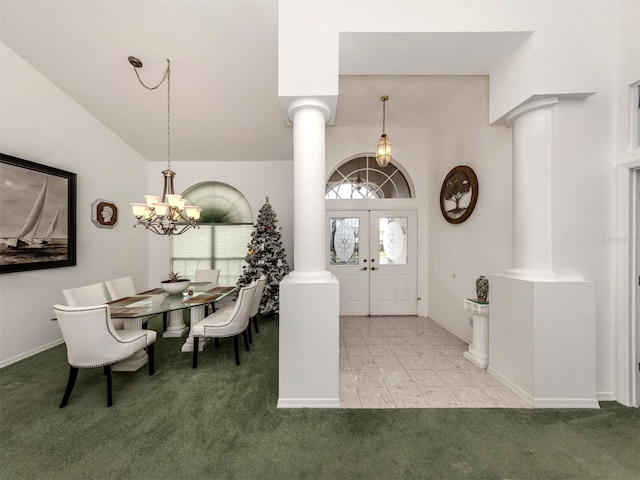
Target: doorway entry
(373, 254)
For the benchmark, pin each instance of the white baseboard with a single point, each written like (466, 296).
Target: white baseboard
(528, 399)
(606, 396)
(308, 402)
(453, 332)
(30, 353)
(545, 402)
(566, 403)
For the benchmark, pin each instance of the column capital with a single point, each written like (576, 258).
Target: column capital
(528, 107)
(312, 103)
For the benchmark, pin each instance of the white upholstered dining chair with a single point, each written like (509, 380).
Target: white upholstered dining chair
(86, 295)
(207, 275)
(210, 276)
(255, 305)
(226, 323)
(124, 287)
(92, 342)
(120, 287)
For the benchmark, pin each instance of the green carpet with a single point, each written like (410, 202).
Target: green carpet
(221, 421)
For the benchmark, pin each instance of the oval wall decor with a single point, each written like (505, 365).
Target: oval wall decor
(459, 194)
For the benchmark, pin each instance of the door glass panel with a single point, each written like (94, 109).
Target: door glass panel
(392, 241)
(344, 241)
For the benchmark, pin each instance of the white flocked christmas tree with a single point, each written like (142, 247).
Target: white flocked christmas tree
(266, 256)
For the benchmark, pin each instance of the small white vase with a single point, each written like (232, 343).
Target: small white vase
(175, 287)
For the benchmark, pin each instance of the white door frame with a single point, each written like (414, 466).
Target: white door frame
(397, 205)
(627, 308)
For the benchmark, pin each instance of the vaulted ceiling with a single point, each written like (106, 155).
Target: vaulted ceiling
(224, 77)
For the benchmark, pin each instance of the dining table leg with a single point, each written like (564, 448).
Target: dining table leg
(176, 327)
(196, 313)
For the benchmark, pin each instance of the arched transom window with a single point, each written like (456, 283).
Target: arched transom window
(361, 178)
(226, 223)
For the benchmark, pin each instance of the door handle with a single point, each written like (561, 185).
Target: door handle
(374, 268)
(363, 268)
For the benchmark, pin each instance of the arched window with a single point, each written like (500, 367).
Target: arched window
(226, 223)
(361, 178)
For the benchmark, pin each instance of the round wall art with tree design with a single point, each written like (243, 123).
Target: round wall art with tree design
(459, 194)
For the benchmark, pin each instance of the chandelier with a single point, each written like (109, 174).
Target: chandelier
(383, 150)
(168, 214)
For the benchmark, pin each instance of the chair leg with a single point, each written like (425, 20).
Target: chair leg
(150, 354)
(249, 332)
(236, 350)
(164, 322)
(195, 352)
(255, 323)
(216, 342)
(245, 339)
(107, 372)
(73, 374)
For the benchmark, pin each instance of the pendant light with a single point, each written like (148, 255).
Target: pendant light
(383, 150)
(169, 214)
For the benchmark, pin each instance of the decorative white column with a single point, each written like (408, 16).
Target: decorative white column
(309, 117)
(534, 314)
(478, 353)
(310, 295)
(532, 152)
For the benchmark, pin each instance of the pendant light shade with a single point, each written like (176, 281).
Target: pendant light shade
(383, 150)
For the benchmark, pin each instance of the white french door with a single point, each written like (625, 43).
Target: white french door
(373, 254)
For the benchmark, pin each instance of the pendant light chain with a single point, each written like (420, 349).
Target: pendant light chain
(384, 105)
(167, 77)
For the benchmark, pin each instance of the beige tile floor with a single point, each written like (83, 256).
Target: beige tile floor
(412, 362)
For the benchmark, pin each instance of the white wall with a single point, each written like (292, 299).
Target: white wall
(255, 180)
(459, 253)
(42, 124)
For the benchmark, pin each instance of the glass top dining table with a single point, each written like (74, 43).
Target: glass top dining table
(155, 301)
(135, 308)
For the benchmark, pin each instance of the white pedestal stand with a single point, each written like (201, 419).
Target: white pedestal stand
(478, 353)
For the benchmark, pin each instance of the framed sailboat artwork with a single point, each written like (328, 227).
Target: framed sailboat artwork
(37, 216)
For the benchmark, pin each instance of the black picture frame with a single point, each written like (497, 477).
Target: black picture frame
(34, 199)
(460, 192)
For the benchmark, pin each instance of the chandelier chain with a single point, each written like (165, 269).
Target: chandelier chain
(167, 77)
